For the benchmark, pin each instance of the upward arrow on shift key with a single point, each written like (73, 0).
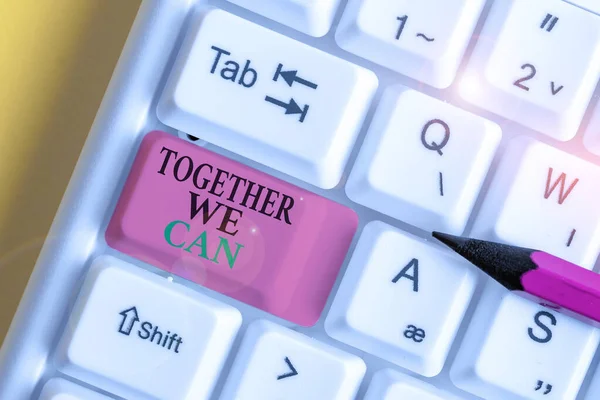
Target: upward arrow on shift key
(130, 317)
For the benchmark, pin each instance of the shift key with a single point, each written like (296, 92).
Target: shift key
(267, 97)
(231, 228)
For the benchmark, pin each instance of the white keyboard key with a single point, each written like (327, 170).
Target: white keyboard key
(546, 199)
(274, 363)
(313, 17)
(406, 36)
(61, 389)
(517, 349)
(391, 385)
(401, 299)
(537, 62)
(280, 102)
(136, 334)
(423, 161)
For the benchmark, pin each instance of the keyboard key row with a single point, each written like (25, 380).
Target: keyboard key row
(514, 347)
(524, 66)
(279, 107)
(133, 333)
(424, 161)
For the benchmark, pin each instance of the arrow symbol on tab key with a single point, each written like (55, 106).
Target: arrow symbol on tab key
(130, 317)
(292, 372)
(292, 76)
(291, 108)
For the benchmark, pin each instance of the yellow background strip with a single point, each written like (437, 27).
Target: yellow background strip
(56, 58)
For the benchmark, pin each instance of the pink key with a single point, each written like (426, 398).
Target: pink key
(231, 228)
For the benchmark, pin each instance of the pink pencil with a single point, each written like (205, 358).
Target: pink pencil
(541, 274)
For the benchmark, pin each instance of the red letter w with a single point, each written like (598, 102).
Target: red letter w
(562, 196)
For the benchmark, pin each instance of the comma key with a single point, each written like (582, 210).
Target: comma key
(231, 229)
(516, 348)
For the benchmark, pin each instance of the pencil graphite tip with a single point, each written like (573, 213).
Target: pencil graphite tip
(504, 263)
(454, 242)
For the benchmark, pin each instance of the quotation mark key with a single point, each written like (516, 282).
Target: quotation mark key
(549, 19)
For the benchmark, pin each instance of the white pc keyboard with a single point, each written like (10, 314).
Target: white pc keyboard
(250, 216)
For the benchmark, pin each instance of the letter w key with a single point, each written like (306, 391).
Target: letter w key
(544, 198)
(551, 185)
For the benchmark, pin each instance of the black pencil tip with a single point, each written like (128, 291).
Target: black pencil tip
(504, 263)
(454, 242)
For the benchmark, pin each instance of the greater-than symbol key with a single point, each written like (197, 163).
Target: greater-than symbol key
(293, 371)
